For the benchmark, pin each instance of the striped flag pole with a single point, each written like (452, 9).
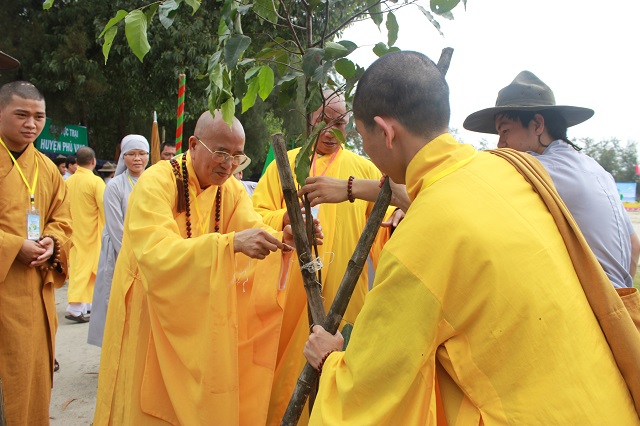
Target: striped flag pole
(180, 115)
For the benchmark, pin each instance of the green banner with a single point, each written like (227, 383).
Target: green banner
(61, 139)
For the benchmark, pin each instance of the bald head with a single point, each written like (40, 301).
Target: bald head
(213, 135)
(210, 127)
(334, 114)
(85, 156)
(408, 87)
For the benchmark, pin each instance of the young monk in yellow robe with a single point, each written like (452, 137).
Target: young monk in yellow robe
(481, 293)
(189, 338)
(86, 195)
(342, 223)
(32, 261)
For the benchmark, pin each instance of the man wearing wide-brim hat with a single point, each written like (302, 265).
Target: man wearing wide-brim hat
(526, 118)
(61, 162)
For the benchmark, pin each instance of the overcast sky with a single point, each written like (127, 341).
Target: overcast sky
(586, 51)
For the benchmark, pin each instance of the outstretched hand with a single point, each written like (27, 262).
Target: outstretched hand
(324, 189)
(255, 243)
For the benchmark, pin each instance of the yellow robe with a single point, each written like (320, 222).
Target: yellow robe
(86, 192)
(188, 340)
(476, 286)
(28, 319)
(342, 225)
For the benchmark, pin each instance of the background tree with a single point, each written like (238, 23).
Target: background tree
(618, 159)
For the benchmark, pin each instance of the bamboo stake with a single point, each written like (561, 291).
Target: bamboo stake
(311, 284)
(309, 375)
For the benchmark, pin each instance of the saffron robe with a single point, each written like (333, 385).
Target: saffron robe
(342, 225)
(476, 286)
(116, 198)
(189, 339)
(86, 192)
(28, 319)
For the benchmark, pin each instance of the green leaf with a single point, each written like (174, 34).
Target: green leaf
(311, 60)
(380, 49)
(234, 48)
(108, 41)
(334, 50)
(135, 29)
(322, 73)
(265, 78)
(288, 91)
(249, 98)
(314, 99)
(214, 60)
(345, 68)
(244, 9)
(351, 82)
(228, 110)
(282, 60)
(375, 12)
(251, 72)
(215, 76)
(151, 10)
(266, 9)
(119, 17)
(392, 28)
(303, 158)
(47, 4)
(314, 3)
(431, 19)
(195, 5)
(443, 6)
(245, 61)
(349, 45)
(168, 10)
(338, 135)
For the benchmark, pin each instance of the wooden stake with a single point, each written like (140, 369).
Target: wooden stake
(303, 248)
(309, 375)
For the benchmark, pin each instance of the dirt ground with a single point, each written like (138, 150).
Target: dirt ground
(74, 387)
(73, 398)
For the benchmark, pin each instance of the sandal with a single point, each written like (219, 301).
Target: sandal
(56, 365)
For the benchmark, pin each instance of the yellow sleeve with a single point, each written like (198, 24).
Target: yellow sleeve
(58, 223)
(386, 375)
(244, 215)
(267, 198)
(100, 187)
(10, 246)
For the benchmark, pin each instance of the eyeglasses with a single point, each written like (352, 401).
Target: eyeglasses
(222, 157)
(136, 154)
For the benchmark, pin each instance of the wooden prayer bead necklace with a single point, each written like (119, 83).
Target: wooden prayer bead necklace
(184, 202)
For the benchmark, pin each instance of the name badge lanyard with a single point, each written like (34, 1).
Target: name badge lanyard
(131, 183)
(33, 214)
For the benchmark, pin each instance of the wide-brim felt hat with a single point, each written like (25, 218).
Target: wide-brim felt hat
(107, 168)
(242, 166)
(8, 62)
(525, 93)
(60, 159)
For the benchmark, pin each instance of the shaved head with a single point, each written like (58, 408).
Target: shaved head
(209, 126)
(213, 134)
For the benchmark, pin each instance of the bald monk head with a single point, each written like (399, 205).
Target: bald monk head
(216, 149)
